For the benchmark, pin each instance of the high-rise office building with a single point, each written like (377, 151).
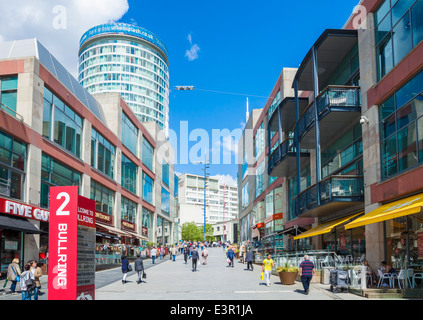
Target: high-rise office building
(128, 59)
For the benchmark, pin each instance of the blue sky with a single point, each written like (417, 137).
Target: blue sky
(243, 46)
(234, 46)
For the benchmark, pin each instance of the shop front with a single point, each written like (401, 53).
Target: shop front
(17, 226)
(402, 222)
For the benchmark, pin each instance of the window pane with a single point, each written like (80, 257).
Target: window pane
(402, 38)
(399, 9)
(387, 127)
(382, 11)
(9, 100)
(416, 17)
(385, 58)
(383, 29)
(46, 118)
(387, 108)
(70, 135)
(410, 90)
(59, 127)
(9, 83)
(409, 112)
(389, 157)
(407, 152)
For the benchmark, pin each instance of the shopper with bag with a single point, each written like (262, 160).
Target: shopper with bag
(230, 254)
(139, 268)
(125, 268)
(27, 282)
(13, 274)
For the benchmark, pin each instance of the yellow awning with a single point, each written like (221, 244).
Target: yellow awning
(390, 211)
(325, 227)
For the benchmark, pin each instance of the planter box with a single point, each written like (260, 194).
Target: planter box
(287, 278)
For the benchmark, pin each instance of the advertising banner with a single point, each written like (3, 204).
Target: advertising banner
(71, 245)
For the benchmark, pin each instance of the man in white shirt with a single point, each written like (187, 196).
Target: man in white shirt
(153, 253)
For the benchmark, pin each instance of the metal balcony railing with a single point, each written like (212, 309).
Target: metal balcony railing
(333, 188)
(332, 98)
(339, 97)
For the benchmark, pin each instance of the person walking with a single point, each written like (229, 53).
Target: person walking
(153, 254)
(186, 253)
(26, 288)
(230, 254)
(307, 272)
(13, 274)
(173, 251)
(139, 268)
(267, 268)
(125, 268)
(249, 258)
(194, 256)
(205, 254)
(37, 272)
(162, 252)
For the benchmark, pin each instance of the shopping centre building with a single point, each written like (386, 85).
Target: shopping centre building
(345, 147)
(54, 133)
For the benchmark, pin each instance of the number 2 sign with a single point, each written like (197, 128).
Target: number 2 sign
(67, 209)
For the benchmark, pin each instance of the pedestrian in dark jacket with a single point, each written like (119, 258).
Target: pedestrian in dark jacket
(249, 258)
(230, 254)
(186, 253)
(125, 268)
(194, 256)
(139, 267)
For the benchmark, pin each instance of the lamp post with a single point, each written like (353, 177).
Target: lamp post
(206, 175)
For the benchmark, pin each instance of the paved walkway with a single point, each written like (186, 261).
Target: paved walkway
(168, 280)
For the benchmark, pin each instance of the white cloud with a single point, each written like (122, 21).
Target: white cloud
(58, 27)
(226, 179)
(192, 53)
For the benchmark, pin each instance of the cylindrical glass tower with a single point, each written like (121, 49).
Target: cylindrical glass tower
(123, 58)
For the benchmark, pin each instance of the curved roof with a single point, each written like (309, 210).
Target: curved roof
(32, 47)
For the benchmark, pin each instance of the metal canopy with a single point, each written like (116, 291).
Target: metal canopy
(332, 47)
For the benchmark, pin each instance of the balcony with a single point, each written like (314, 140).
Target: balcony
(282, 162)
(337, 108)
(336, 193)
(287, 108)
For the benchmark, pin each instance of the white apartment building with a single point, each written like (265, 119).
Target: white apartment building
(221, 200)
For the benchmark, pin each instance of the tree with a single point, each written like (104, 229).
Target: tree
(190, 232)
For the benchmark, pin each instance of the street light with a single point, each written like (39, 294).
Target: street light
(206, 175)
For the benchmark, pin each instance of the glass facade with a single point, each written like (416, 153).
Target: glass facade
(128, 210)
(147, 154)
(129, 174)
(55, 173)
(102, 154)
(61, 124)
(147, 188)
(133, 67)
(259, 141)
(399, 28)
(165, 203)
(401, 128)
(13, 158)
(165, 172)
(129, 134)
(260, 179)
(103, 197)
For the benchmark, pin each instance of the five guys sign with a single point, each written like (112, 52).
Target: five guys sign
(71, 245)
